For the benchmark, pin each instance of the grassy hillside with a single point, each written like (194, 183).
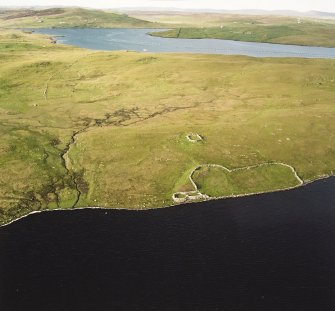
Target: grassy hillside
(83, 128)
(271, 29)
(204, 19)
(70, 17)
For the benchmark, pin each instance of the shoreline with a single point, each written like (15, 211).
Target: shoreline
(294, 55)
(152, 34)
(306, 183)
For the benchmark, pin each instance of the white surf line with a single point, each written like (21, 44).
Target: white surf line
(73, 209)
(197, 139)
(58, 209)
(142, 210)
(182, 197)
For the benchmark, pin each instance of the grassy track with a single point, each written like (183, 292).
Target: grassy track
(82, 128)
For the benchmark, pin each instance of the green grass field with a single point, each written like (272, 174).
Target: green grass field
(83, 128)
(218, 182)
(309, 33)
(252, 28)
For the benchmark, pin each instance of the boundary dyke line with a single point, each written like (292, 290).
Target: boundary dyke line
(197, 195)
(46, 89)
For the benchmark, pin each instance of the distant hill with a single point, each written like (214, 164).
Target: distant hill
(318, 14)
(44, 17)
(174, 11)
(315, 14)
(69, 17)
